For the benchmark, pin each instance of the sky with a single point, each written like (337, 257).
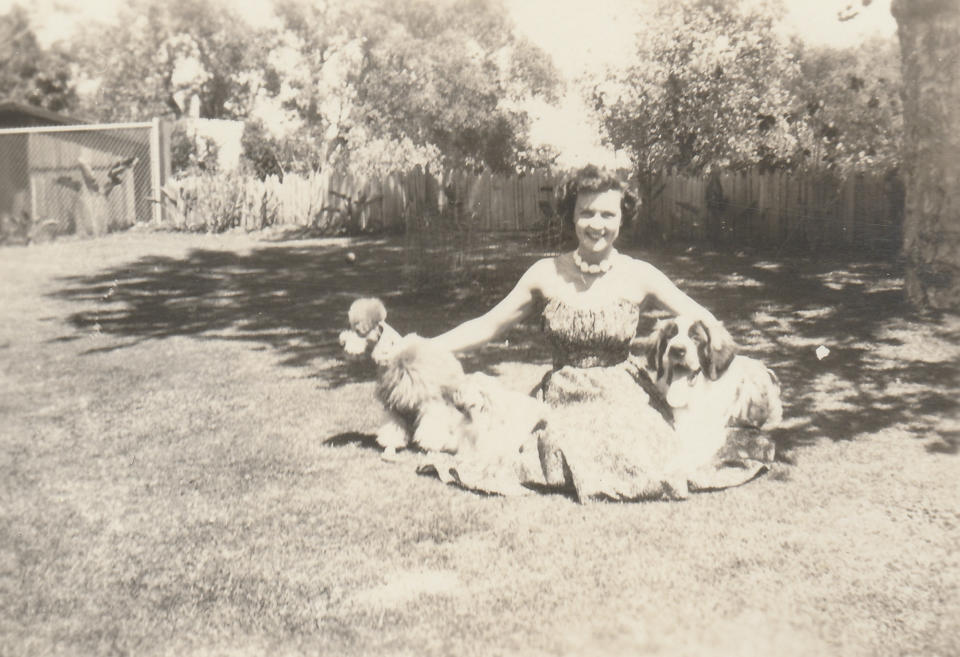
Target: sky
(578, 34)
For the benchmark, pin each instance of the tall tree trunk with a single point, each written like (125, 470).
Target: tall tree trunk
(929, 33)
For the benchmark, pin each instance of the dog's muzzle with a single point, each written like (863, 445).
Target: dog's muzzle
(357, 344)
(681, 388)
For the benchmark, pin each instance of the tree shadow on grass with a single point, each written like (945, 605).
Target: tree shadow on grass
(362, 440)
(887, 367)
(290, 297)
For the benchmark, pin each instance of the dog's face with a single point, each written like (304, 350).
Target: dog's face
(367, 327)
(356, 345)
(685, 348)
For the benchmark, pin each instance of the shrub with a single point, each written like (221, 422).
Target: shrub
(220, 201)
(266, 155)
(191, 153)
(260, 150)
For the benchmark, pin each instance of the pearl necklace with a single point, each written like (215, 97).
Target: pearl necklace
(601, 267)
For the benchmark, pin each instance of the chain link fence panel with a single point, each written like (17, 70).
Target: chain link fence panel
(84, 180)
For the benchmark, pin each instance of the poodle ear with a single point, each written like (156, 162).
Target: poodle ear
(388, 342)
(352, 344)
(716, 349)
(629, 207)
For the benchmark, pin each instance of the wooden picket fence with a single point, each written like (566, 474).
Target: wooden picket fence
(417, 199)
(785, 210)
(781, 210)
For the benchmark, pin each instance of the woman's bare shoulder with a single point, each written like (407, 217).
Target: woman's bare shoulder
(639, 266)
(640, 279)
(543, 269)
(544, 276)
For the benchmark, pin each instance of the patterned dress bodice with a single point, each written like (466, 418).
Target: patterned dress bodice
(590, 333)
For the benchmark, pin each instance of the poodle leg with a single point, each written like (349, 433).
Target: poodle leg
(389, 455)
(393, 435)
(440, 428)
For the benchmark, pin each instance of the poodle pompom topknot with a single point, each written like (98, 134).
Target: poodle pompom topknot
(367, 326)
(365, 314)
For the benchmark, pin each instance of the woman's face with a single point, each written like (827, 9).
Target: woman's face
(596, 219)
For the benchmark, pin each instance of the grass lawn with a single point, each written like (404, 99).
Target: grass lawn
(186, 468)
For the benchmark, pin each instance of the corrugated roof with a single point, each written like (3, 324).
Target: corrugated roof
(13, 108)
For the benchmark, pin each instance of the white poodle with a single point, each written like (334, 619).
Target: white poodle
(488, 431)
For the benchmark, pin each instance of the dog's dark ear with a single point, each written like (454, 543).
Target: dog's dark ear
(701, 337)
(652, 352)
(715, 348)
(665, 330)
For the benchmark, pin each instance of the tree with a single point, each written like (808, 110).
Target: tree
(851, 100)
(709, 88)
(929, 32)
(418, 80)
(160, 55)
(28, 72)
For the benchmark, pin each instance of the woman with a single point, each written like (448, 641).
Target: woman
(604, 437)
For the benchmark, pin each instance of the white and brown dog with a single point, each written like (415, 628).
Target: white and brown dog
(708, 389)
(433, 404)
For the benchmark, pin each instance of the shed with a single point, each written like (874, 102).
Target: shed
(49, 159)
(22, 115)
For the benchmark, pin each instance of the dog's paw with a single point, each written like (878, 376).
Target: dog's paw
(393, 435)
(440, 464)
(390, 455)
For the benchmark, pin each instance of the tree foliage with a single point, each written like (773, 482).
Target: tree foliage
(851, 101)
(159, 56)
(28, 72)
(714, 87)
(708, 88)
(371, 84)
(191, 153)
(420, 81)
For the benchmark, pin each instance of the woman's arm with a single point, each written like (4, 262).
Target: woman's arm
(673, 297)
(721, 342)
(511, 309)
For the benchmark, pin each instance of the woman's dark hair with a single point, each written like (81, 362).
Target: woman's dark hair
(592, 179)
